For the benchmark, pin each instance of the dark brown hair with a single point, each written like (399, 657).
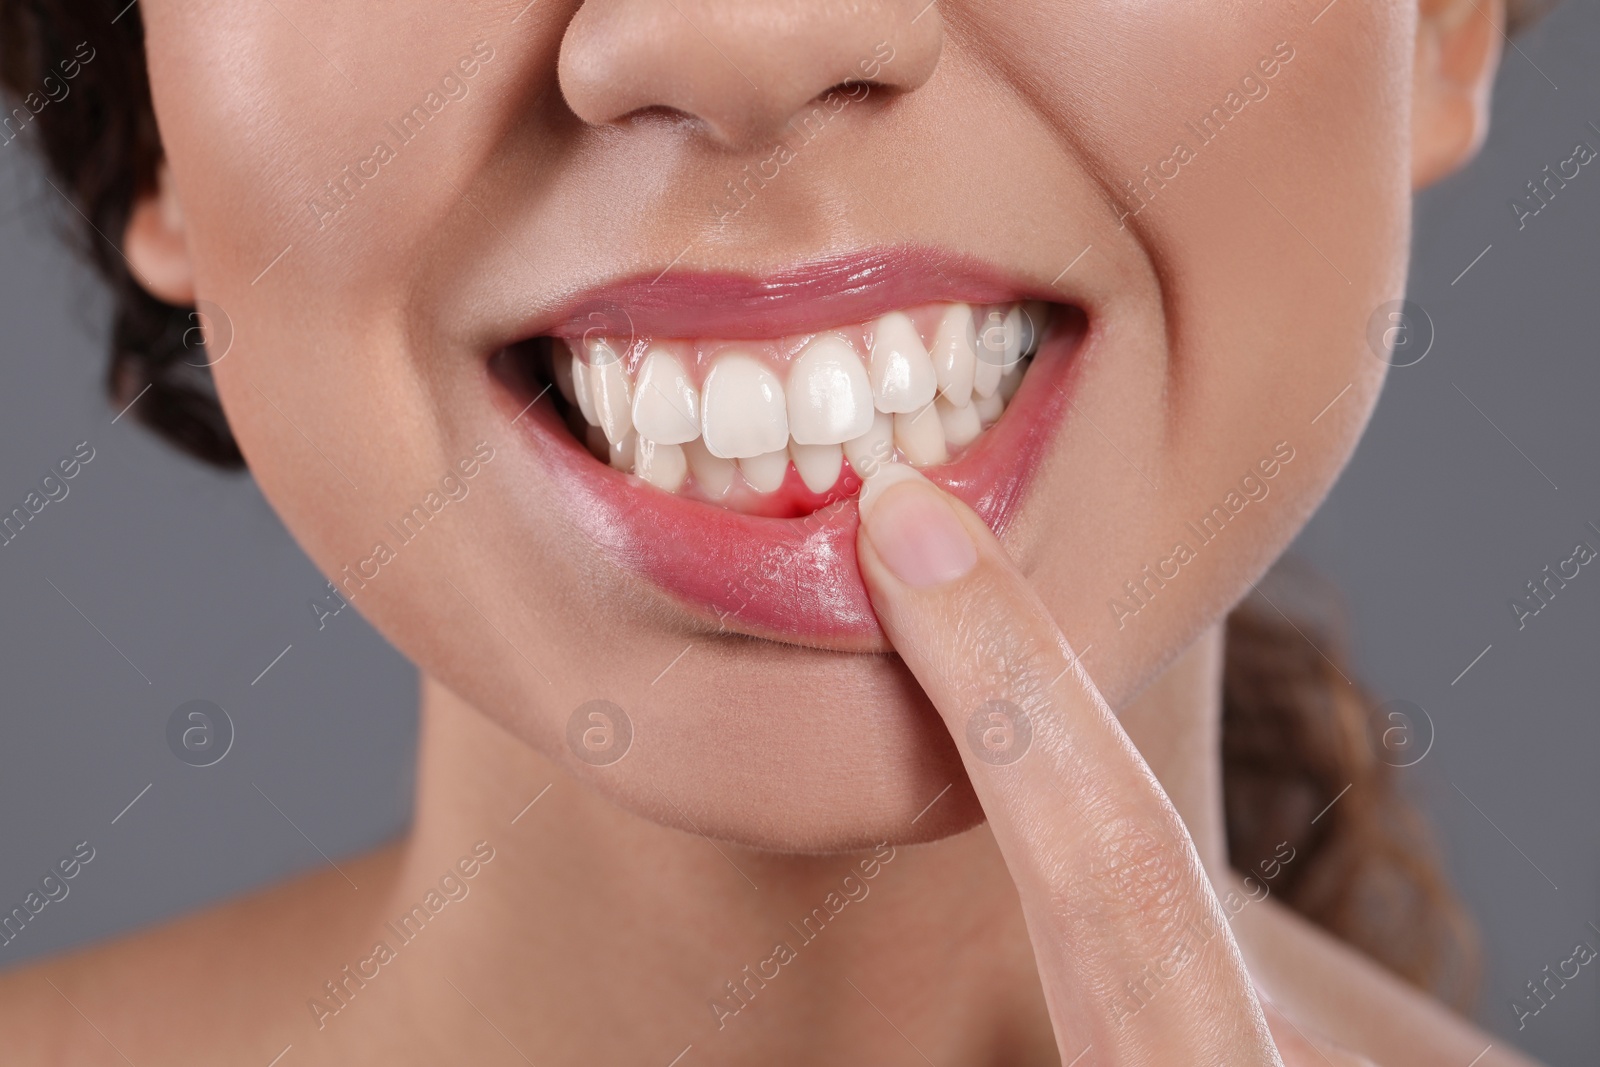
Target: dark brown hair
(1310, 758)
(1298, 735)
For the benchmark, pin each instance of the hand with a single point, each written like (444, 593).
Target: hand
(1108, 876)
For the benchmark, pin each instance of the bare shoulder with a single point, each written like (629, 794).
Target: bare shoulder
(173, 987)
(1328, 987)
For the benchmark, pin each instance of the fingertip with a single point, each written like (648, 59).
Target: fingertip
(913, 530)
(884, 476)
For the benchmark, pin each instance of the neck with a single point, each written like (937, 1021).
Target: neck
(588, 914)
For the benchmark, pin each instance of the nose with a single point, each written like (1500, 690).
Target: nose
(740, 68)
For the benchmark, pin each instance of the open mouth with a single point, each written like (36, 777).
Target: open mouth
(722, 464)
(787, 426)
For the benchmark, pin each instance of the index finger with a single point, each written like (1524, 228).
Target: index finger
(1111, 885)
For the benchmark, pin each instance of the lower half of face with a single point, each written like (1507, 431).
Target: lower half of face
(575, 411)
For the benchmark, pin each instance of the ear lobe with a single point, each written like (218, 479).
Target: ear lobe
(1458, 52)
(157, 243)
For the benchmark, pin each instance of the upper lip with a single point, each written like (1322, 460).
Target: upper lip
(679, 302)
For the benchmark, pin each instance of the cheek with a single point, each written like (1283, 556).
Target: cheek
(324, 384)
(1268, 249)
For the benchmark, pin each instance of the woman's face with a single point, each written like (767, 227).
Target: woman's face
(1212, 198)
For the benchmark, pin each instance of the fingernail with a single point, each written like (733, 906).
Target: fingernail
(913, 531)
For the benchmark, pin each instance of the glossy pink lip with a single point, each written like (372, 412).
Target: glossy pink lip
(816, 296)
(790, 579)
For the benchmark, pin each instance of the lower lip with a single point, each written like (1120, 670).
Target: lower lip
(791, 579)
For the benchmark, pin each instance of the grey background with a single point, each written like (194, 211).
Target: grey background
(156, 582)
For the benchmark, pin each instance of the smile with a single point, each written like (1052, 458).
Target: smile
(717, 452)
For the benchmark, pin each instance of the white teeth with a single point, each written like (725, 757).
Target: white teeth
(873, 448)
(612, 393)
(953, 356)
(830, 398)
(620, 453)
(735, 435)
(666, 405)
(902, 375)
(989, 407)
(1018, 335)
(585, 390)
(818, 464)
(920, 437)
(744, 413)
(1032, 325)
(991, 353)
(561, 365)
(765, 473)
(662, 465)
(712, 474)
(960, 422)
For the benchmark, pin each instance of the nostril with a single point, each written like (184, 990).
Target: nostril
(854, 88)
(744, 72)
(656, 115)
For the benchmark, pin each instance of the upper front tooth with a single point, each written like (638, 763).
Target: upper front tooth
(584, 387)
(666, 405)
(830, 399)
(744, 413)
(612, 399)
(902, 375)
(952, 354)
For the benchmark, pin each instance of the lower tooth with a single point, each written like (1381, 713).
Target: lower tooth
(818, 465)
(989, 407)
(873, 448)
(620, 453)
(713, 474)
(960, 424)
(663, 466)
(766, 472)
(920, 437)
